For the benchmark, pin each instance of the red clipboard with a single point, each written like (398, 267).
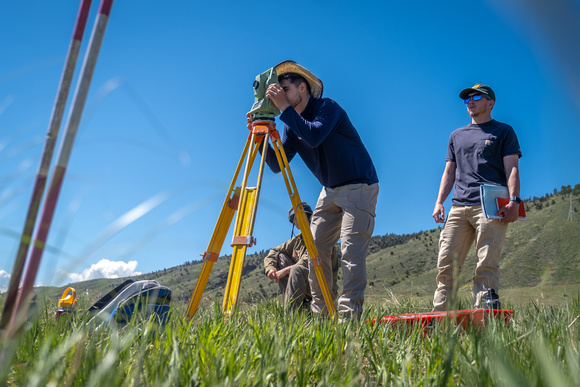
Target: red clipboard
(504, 201)
(475, 317)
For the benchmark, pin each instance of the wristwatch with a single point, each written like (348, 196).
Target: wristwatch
(516, 199)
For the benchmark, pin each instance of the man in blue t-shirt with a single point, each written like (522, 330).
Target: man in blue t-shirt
(485, 151)
(319, 130)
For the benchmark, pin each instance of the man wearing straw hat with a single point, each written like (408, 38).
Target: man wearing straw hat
(319, 130)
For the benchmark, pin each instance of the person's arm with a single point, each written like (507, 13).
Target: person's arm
(512, 172)
(271, 261)
(313, 132)
(284, 272)
(276, 94)
(291, 248)
(445, 187)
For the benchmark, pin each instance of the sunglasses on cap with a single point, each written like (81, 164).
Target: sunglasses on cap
(476, 97)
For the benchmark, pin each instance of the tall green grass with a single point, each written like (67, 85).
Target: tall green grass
(265, 345)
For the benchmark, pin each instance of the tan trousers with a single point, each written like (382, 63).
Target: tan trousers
(294, 286)
(464, 225)
(346, 213)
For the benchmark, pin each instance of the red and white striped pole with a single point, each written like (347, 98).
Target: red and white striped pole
(47, 152)
(66, 145)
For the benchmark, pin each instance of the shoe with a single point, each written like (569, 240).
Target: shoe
(491, 300)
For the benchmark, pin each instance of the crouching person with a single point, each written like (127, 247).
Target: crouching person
(287, 264)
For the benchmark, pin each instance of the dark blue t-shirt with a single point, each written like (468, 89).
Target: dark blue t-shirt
(478, 151)
(328, 144)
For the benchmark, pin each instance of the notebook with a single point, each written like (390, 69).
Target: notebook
(493, 197)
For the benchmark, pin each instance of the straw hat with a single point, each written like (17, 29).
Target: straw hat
(289, 66)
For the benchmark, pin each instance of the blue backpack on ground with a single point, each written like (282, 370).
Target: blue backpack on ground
(133, 299)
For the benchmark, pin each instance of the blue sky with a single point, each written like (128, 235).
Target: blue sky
(165, 115)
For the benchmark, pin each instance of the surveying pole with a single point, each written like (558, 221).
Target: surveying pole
(244, 200)
(75, 114)
(45, 160)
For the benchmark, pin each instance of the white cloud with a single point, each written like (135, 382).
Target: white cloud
(4, 281)
(106, 269)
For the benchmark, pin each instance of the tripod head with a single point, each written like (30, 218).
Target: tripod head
(263, 109)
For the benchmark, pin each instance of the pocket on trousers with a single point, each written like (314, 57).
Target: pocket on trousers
(363, 223)
(355, 193)
(368, 199)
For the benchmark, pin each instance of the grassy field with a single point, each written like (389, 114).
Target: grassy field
(260, 344)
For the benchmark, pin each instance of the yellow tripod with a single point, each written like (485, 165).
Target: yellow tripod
(244, 199)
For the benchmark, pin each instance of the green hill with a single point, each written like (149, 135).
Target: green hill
(541, 260)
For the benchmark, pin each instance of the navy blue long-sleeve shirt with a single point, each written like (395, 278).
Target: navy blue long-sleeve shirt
(328, 143)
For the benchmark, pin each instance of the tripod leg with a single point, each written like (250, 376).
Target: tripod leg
(218, 237)
(244, 227)
(241, 240)
(215, 245)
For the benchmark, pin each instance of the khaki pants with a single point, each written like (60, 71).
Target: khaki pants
(293, 286)
(348, 213)
(464, 225)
